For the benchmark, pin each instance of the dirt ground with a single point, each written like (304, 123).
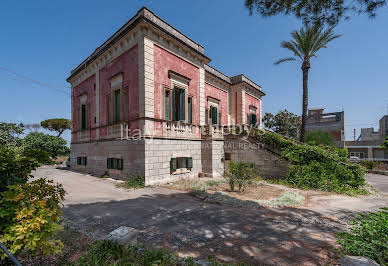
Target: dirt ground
(175, 220)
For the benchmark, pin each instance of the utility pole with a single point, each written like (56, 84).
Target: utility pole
(354, 134)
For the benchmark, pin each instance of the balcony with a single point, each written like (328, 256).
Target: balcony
(174, 129)
(117, 131)
(83, 135)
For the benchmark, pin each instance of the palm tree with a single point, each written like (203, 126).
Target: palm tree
(304, 45)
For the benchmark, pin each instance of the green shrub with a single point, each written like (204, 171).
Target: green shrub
(319, 138)
(314, 167)
(134, 182)
(106, 252)
(368, 236)
(29, 217)
(369, 164)
(15, 167)
(240, 174)
(52, 144)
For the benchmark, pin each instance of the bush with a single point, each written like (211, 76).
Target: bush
(314, 167)
(319, 138)
(240, 174)
(29, 215)
(15, 167)
(135, 181)
(39, 141)
(368, 236)
(369, 164)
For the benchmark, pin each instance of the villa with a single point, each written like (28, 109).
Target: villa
(146, 102)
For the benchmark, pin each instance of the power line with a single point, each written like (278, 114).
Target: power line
(37, 82)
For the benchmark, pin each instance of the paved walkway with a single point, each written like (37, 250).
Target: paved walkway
(180, 222)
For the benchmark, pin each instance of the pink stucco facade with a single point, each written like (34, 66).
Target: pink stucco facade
(220, 95)
(123, 85)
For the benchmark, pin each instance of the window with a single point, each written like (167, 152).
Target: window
(190, 110)
(252, 119)
(178, 104)
(82, 161)
(83, 116)
(167, 105)
(213, 115)
(117, 113)
(181, 163)
(115, 163)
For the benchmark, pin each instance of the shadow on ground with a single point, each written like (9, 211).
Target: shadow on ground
(191, 227)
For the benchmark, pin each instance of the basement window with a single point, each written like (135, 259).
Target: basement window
(82, 161)
(115, 163)
(180, 164)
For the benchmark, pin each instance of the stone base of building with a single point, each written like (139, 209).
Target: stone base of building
(150, 158)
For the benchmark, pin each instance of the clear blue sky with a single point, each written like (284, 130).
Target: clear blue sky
(44, 40)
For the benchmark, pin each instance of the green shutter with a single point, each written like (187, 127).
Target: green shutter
(167, 107)
(182, 106)
(174, 103)
(83, 116)
(173, 165)
(118, 106)
(189, 162)
(254, 119)
(189, 110)
(109, 163)
(214, 116)
(120, 164)
(85, 161)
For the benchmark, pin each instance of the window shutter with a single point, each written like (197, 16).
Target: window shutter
(254, 119)
(117, 117)
(120, 164)
(173, 165)
(189, 162)
(167, 105)
(87, 116)
(79, 160)
(124, 104)
(219, 118)
(108, 163)
(189, 110)
(86, 161)
(80, 117)
(174, 107)
(214, 116)
(182, 106)
(83, 116)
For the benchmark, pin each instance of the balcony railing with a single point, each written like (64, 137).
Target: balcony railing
(176, 129)
(118, 131)
(83, 135)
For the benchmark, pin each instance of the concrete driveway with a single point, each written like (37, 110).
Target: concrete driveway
(190, 227)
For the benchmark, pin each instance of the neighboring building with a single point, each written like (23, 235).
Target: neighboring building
(367, 146)
(150, 80)
(333, 123)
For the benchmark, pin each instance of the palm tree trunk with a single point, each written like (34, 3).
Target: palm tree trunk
(305, 69)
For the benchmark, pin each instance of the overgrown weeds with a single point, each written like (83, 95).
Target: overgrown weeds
(134, 182)
(368, 236)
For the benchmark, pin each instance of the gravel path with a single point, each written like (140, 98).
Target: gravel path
(182, 223)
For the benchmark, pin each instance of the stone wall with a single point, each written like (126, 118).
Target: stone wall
(247, 150)
(158, 154)
(213, 157)
(131, 151)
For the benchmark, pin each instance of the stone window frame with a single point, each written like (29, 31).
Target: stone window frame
(118, 157)
(180, 82)
(116, 83)
(83, 100)
(213, 102)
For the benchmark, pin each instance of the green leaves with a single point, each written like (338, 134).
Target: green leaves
(9, 134)
(29, 217)
(368, 236)
(306, 42)
(239, 174)
(284, 122)
(58, 125)
(314, 167)
(318, 12)
(39, 141)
